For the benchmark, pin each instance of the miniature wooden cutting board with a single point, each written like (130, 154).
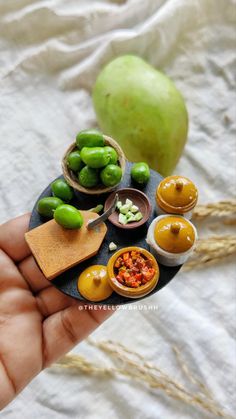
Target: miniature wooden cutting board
(57, 249)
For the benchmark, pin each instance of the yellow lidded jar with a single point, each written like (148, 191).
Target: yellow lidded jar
(174, 234)
(172, 239)
(176, 195)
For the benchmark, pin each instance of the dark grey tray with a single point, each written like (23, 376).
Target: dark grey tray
(67, 282)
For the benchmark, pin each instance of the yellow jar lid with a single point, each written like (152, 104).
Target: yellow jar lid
(174, 234)
(93, 283)
(176, 194)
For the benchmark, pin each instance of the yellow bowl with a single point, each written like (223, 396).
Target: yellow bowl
(123, 290)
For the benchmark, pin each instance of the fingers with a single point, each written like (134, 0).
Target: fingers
(32, 274)
(8, 391)
(63, 330)
(9, 274)
(50, 301)
(21, 341)
(12, 240)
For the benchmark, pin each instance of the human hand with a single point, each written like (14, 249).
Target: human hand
(38, 324)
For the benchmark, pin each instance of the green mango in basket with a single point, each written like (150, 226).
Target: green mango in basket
(95, 157)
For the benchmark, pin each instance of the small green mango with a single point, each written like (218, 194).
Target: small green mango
(62, 190)
(89, 138)
(46, 206)
(95, 157)
(88, 177)
(142, 109)
(68, 217)
(74, 161)
(113, 156)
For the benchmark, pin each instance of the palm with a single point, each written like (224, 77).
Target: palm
(38, 324)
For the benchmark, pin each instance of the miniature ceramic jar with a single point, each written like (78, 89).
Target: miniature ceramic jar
(143, 279)
(176, 195)
(172, 239)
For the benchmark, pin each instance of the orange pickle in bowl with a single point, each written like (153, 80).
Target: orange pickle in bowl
(133, 272)
(133, 269)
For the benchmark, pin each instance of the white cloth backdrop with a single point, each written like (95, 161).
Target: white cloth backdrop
(50, 54)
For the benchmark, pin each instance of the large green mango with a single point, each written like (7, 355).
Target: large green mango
(142, 109)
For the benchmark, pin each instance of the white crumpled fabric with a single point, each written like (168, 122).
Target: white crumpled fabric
(50, 54)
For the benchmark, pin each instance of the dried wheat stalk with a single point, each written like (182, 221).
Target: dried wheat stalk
(218, 209)
(134, 366)
(203, 389)
(211, 250)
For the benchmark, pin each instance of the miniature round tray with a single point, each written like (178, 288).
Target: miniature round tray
(67, 281)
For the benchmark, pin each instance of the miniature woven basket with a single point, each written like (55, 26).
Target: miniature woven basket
(71, 179)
